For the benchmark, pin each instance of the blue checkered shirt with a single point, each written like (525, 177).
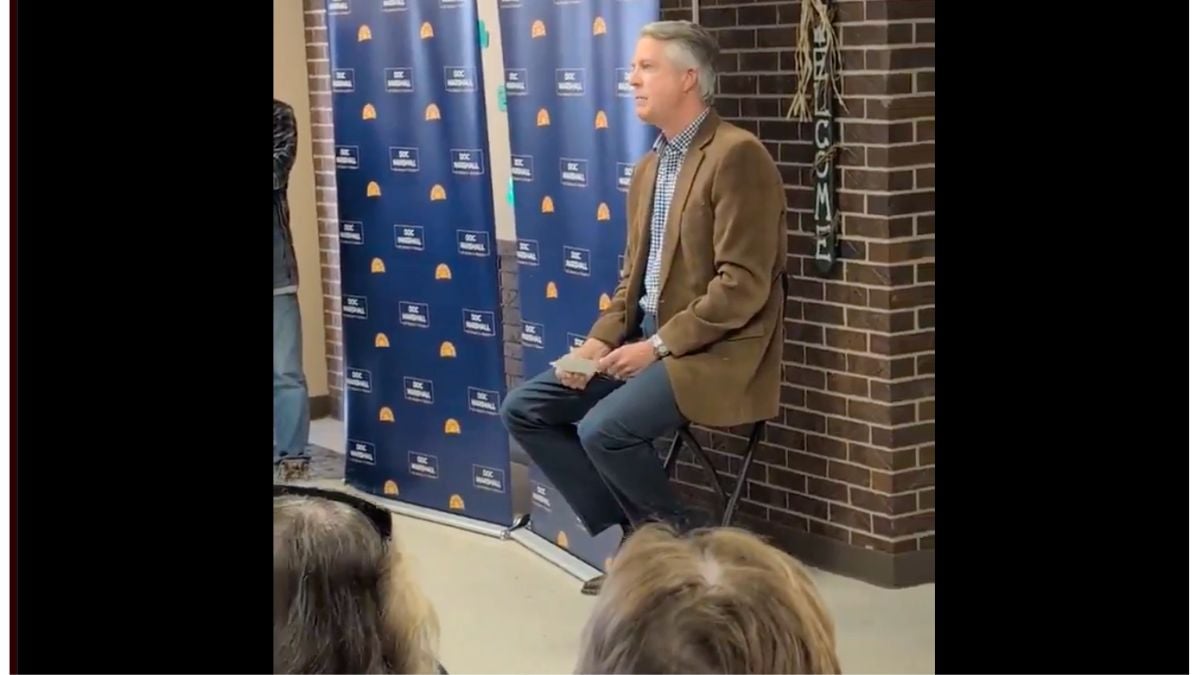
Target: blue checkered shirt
(670, 158)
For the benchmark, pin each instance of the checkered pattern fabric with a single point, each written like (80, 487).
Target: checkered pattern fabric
(670, 158)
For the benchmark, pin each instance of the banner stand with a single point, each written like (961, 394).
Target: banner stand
(556, 556)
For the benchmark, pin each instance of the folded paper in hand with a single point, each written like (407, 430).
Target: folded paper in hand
(576, 364)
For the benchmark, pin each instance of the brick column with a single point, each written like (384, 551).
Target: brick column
(321, 103)
(845, 479)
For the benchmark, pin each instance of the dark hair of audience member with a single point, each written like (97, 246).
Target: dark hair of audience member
(343, 599)
(712, 601)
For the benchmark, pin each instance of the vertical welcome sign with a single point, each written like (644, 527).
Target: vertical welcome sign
(575, 140)
(420, 293)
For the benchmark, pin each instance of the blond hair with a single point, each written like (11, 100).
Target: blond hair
(344, 602)
(713, 601)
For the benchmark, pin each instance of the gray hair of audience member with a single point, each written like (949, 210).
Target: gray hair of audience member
(712, 601)
(689, 46)
(344, 602)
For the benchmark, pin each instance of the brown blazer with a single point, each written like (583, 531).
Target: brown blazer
(724, 253)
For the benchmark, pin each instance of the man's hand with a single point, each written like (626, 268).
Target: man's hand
(629, 360)
(592, 350)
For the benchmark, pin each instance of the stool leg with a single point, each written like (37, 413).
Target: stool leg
(673, 453)
(732, 502)
(708, 466)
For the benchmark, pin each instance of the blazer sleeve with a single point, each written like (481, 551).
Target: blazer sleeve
(747, 200)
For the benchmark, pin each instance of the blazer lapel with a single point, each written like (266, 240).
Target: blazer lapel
(683, 190)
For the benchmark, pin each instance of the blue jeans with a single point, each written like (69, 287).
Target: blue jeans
(596, 445)
(291, 389)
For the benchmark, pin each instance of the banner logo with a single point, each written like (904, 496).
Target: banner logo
(474, 243)
(451, 4)
(569, 81)
(487, 478)
(345, 157)
(414, 314)
(442, 273)
(432, 113)
(540, 495)
(437, 193)
(386, 415)
(509, 4)
(551, 290)
(358, 380)
(447, 351)
(405, 160)
(477, 322)
(577, 261)
(373, 190)
(354, 306)
(599, 27)
(483, 401)
(466, 162)
(368, 112)
(364, 33)
(605, 302)
(533, 335)
(602, 212)
(398, 80)
(522, 168)
(516, 81)
(547, 204)
(538, 30)
(418, 390)
(377, 266)
(459, 79)
(394, 5)
(338, 8)
(391, 489)
(426, 31)
(601, 120)
(543, 117)
(575, 340)
(452, 427)
(420, 464)
(624, 89)
(381, 341)
(350, 232)
(562, 540)
(343, 81)
(573, 172)
(624, 176)
(456, 503)
(527, 252)
(410, 237)
(361, 452)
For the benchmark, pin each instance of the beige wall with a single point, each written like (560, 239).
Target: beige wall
(291, 85)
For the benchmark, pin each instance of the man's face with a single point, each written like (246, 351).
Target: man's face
(658, 85)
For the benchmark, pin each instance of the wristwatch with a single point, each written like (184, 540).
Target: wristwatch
(660, 349)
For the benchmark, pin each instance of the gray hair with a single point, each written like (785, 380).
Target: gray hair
(689, 46)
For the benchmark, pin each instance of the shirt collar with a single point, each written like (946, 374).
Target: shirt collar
(683, 139)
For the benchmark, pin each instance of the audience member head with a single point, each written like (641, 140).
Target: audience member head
(712, 601)
(343, 600)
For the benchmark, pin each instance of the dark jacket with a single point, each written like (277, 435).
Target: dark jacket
(287, 273)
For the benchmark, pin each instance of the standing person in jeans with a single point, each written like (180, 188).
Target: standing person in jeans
(291, 389)
(694, 331)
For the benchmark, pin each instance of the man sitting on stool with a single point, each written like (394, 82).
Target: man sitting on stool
(695, 328)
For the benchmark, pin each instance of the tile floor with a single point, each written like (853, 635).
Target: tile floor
(505, 610)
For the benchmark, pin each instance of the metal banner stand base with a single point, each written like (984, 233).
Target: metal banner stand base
(554, 555)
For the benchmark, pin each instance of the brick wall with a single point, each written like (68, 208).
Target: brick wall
(851, 456)
(321, 102)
